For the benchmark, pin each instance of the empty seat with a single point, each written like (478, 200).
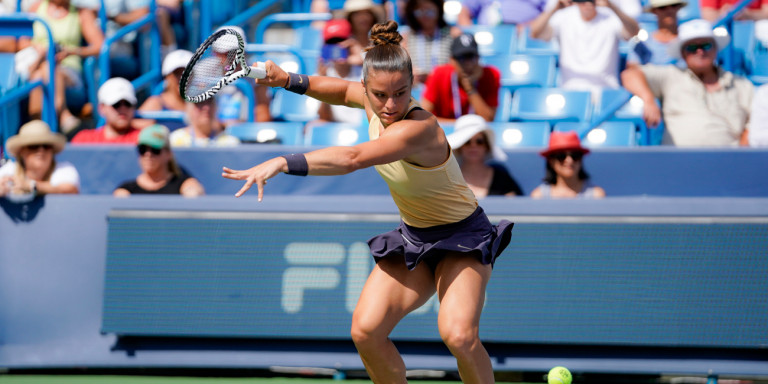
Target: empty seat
(550, 104)
(527, 44)
(525, 70)
(521, 134)
(289, 106)
(274, 132)
(331, 134)
(498, 40)
(607, 134)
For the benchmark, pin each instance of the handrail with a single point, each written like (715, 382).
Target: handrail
(727, 22)
(21, 24)
(285, 18)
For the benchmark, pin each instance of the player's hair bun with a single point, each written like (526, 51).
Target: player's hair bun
(385, 34)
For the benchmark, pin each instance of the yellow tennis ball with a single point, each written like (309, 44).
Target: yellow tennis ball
(559, 375)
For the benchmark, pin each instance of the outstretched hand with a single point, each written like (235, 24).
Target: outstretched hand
(258, 175)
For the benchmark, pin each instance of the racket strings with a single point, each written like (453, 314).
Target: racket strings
(217, 61)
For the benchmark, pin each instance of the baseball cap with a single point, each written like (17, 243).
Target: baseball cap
(336, 30)
(116, 89)
(175, 60)
(464, 45)
(155, 136)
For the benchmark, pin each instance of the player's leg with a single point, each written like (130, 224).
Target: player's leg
(461, 281)
(391, 292)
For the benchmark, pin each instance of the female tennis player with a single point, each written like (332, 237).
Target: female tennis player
(445, 242)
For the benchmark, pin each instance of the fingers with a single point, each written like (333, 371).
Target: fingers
(246, 187)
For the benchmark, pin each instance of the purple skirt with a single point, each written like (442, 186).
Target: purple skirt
(475, 234)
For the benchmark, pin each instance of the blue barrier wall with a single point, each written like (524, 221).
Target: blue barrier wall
(652, 171)
(684, 275)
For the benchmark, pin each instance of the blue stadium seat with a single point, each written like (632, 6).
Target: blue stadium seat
(631, 111)
(607, 134)
(331, 134)
(505, 105)
(758, 71)
(499, 40)
(550, 104)
(286, 133)
(525, 70)
(522, 134)
(527, 44)
(289, 106)
(691, 11)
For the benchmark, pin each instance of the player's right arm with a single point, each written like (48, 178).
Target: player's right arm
(329, 90)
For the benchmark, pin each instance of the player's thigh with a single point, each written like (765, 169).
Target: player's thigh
(391, 292)
(461, 283)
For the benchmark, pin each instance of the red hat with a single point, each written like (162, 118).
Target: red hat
(564, 141)
(337, 29)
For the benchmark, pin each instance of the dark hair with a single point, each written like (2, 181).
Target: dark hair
(385, 52)
(550, 177)
(413, 23)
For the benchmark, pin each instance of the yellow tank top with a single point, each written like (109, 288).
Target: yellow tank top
(426, 197)
(66, 32)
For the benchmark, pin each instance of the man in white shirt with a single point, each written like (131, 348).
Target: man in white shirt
(588, 33)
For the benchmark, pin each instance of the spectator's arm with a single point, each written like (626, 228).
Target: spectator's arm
(126, 18)
(631, 28)
(91, 33)
(465, 17)
(192, 188)
(540, 28)
(633, 79)
(262, 104)
(45, 187)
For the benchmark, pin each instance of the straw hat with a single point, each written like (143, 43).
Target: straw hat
(467, 127)
(563, 141)
(351, 6)
(32, 133)
(663, 3)
(695, 29)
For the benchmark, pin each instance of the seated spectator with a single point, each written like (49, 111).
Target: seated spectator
(758, 128)
(204, 129)
(69, 26)
(362, 15)
(170, 98)
(334, 62)
(464, 86)
(170, 16)
(124, 62)
(588, 35)
(655, 50)
(565, 175)
(493, 12)
(117, 104)
(428, 37)
(714, 10)
(703, 104)
(474, 145)
(159, 172)
(35, 171)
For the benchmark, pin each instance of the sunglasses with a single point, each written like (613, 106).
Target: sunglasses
(35, 147)
(692, 48)
(122, 103)
(144, 148)
(576, 156)
(478, 141)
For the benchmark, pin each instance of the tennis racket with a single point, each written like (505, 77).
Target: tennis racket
(218, 62)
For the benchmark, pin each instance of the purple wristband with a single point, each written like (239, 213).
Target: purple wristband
(297, 83)
(297, 164)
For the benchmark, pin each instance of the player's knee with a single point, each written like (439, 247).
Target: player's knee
(363, 331)
(459, 338)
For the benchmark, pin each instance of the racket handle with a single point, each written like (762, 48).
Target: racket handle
(258, 71)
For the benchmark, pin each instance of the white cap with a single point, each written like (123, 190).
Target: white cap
(116, 89)
(696, 29)
(175, 60)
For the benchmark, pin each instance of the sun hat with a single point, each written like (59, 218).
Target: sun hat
(468, 126)
(663, 3)
(351, 6)
(563, 141)
(155, 136)
(116, 89)
(464, 45)
(175, 60)
(696, 29)
(32, 133)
